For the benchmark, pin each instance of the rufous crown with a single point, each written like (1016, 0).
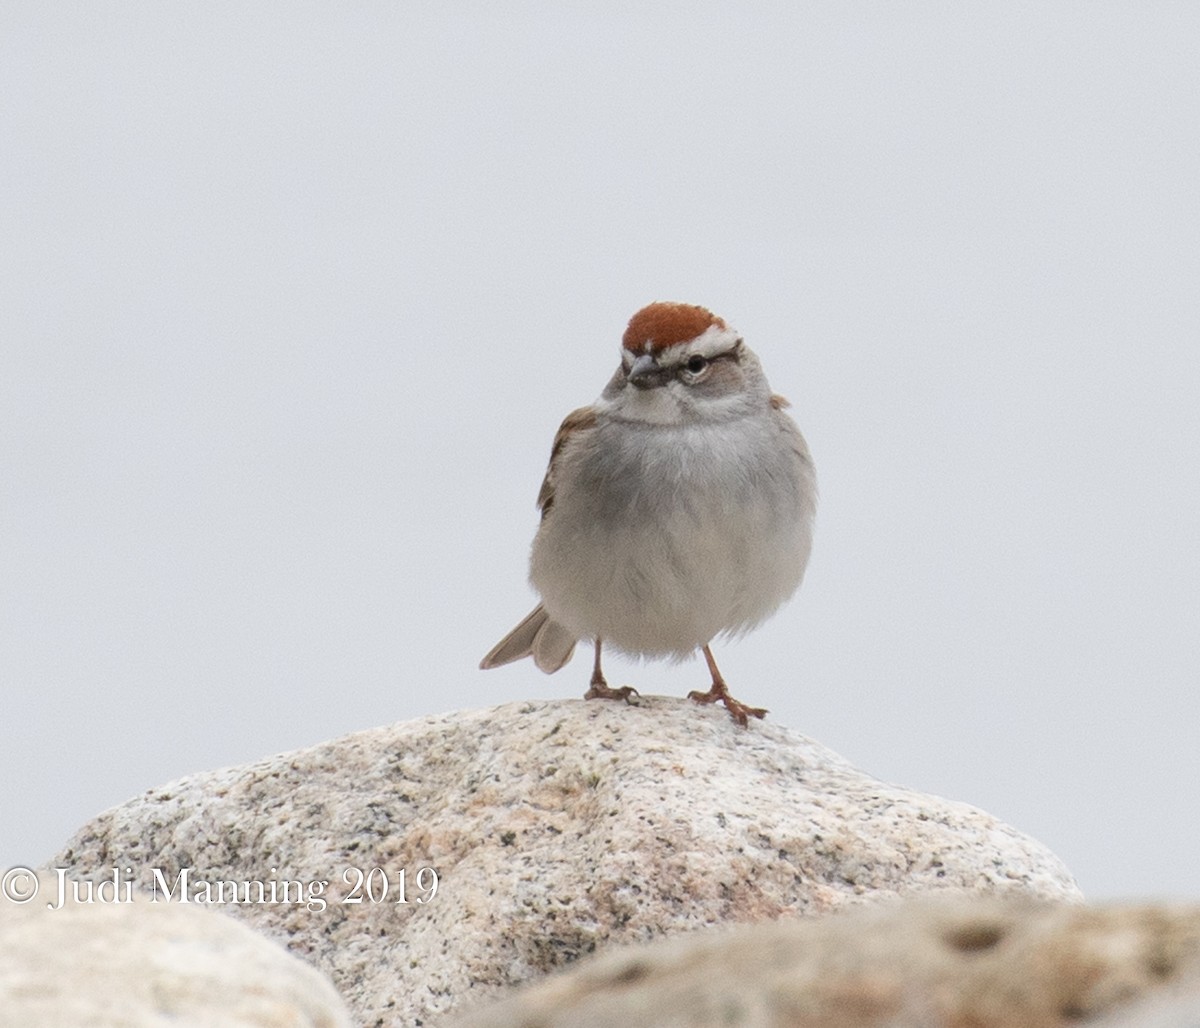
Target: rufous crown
(659, 325)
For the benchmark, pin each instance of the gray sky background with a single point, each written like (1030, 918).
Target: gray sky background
(295, 295)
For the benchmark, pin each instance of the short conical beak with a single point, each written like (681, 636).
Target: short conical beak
(646, 374)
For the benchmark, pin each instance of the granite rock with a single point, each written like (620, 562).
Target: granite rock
(929, 962)
(1175, 1006)
(122, 960)
(554, 829)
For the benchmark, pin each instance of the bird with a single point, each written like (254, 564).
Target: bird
(676, 508)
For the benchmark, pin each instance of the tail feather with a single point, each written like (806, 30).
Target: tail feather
(550, 645)
(553, 647)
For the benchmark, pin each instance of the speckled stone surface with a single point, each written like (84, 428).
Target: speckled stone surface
(116, 961)
(555, 829)
(925, 962)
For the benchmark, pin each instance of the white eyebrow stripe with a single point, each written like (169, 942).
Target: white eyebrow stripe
(713, 342)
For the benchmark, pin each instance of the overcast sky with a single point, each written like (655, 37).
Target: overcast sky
(293, 297)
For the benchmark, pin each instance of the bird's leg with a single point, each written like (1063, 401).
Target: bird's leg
(599, 687)
(720, 691)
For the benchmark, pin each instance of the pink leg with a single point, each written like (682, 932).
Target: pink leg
(599, 687)
(720, 691)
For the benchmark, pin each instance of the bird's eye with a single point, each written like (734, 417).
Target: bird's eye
(696, 364)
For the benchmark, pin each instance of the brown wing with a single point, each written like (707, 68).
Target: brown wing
(576, 421)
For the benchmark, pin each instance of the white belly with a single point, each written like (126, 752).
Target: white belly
(658, 555)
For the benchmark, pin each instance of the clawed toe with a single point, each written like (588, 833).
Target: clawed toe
(740, 712)
(600, 691)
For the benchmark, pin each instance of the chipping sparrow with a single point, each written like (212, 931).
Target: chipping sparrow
(677, 507)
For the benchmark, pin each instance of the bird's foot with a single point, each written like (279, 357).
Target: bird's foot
(739, 711)
(601, 691)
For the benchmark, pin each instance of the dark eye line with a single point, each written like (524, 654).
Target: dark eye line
(706, 362)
